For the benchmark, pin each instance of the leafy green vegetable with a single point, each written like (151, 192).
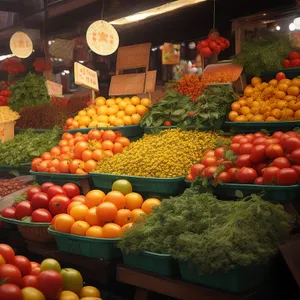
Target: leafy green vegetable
(26, 146)
(212, 234)
(30, 90)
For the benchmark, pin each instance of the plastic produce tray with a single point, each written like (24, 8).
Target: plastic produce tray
(160, 264)
(289, 73)
(237, 280)
(22, 168)
(105, 249)
(147, 186)
(280, 194)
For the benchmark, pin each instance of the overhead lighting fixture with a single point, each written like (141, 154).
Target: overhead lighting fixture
(3, 57)
(67, 71)
(49, 43)
(63, 73)
(278, 28)
(154, 49)
(155, 11)
(297, 23)
(81, 61)
(60, 59)
(292, 27)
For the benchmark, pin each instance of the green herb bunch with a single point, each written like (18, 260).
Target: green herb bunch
(263, 54)
(30, 90)
(212, 234)
(26, 146)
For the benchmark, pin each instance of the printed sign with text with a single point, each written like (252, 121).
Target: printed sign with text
(86, 77)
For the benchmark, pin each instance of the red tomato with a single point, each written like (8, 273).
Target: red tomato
(9, 212)
(259, 180)
(219, 152)
(270, 141)
(292, 133)
(270, 175)
(258, 153)
(189, 177)
(23, 209)
(71, 190)
(295, 156)
(258, 134)
(209, 171)
(80, 198)
(50, 283)
(8, 253)
(40, 200)
(23, 264)
(36, 271)
(11, 273)
(291, 144)
(55, 190)
(59, 204)
(244, 161)
(210, 161)
(250, 137)
(10, 292)
(236, 139)
(273, 151)
(232, 172)
(246, 148)
(283, 138)
(34, 264)
(277, 134)
(287, 176)
(209, 153)
(260, 167)
(45, 186)
(297, 169)
(196, 170)
(259, 141)
(280, 76)
(223, 177)
(243, 140)
(29, 281)
(167, 123)
(41, 215)
(31, 191)
(246, 175)
(235, 148)
(281, 162)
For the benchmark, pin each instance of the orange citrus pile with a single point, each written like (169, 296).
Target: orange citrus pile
(104, 216)
(110, 112)
(270, 102)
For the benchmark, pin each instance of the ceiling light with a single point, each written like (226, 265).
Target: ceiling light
(297, 23)
(292, 27)
(67, 71)
(154, 49)
(192, 45)
(2, 57)
(81, 61)
(63, 73)
(155, 11)
(60, 59)
(49, 43)
(278, 28)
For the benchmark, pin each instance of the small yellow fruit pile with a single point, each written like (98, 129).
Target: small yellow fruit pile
(110, 112)
(168, 154)
(270, 102)
(8, 115)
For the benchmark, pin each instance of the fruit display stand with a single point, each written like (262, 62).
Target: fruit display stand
(22, 168)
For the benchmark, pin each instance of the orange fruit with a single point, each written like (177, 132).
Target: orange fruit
(249, 101)
(296, 82)
(249, 116)
(91, 112)
(100, 101)
(240, 119)
(80, 228)
(116, 198)
(119, 122)
(133, 201)
(281, 104)
(89, 291)
(118, 100)
(91, 217)
(110, 102)
(136, 119)
(271, 119)
(232, 115)
(90, 165)
(94, 198)
(294, 105)
(112, 119)
(255, 104)
(72, 204)
(112, 230)
(95, 231)
(257, 118)
(123, 217)
(111, 111)
(120, 114)
(146, 102)
(84, 120)
(245, 110)
(2, 260)
(102, 110)
(107, 145)
(108, 153)
(273, 82)
(136, 213)
(248, 91)
(118, 148)
(288, 112)
(126, 227)
(103, 119)
(124, 141)
(263, 85)
(286, 81)
(135, 100)
(297, 115)
(276, 113)
(122, 104)
(289, 98)
(255, 81)
(149, 204)
(79, 211)
(283, 87)
(280, 94)
(63, 223)
(106, 211)
(293, 91)
(141, 110)
(127, 120)
(235, 106)
(130, 110)
(242, 101)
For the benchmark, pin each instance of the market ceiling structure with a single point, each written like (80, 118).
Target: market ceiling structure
(70, 18)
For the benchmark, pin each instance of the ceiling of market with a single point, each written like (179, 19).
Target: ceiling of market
(70, 18)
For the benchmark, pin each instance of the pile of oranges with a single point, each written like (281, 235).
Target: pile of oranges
(104, 216)
(277, 100)
(110, 112)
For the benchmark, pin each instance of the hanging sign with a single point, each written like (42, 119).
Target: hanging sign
(128, 84)
(21, 44)
(54, 89)
(102, 38)
(86, 77)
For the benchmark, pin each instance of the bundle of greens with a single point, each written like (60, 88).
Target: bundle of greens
(212, 234)
(27, 145)
(30, 90)
(263, 54)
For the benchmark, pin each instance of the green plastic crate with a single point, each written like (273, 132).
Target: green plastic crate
(273, 193)
(22, 168)
(161, 264)
(105, 249)
(130, 131)
(238, 280)
(147, 186)
(289, 73)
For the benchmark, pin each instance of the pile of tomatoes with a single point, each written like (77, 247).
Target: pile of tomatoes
(253, 158)
(21, 279)
(79, 153)
(42, 203)
(104, 216)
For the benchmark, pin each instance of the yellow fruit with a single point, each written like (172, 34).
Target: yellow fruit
(135, 100)
(146, 102)
(257, 118)
(82, 126)
(101, 124)
(93, 124)
(119, 122)
(240, 119)
(110, 102)
(91, 112)
(242, 102)
(100, 101)
(103, 119)
(255, 104)
(112, 119)
(102, 110)
(89, 291)
(232, 115)
(286, 81)
(283, 87)
(271, 119)
(122, 104)
(77, 118)
(297, 115)
(127, 120)
(289, 98)
(280, 94)
(130, 110)
(281, 104)
(248, 91)
(120, 114)
(118, 100)
(141, 110)
(273, 82)
(68, 295)
(82, 113)
(112, 111)
(276, 113)
(249, 116)
(293, 91)
(84, 120)
(136, 119)
(2, 260)
(249, 101)
(244, 110)
(296, 82)
(255, 81)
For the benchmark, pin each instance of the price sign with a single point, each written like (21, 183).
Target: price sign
(21, 44)
(54, 89)
(86, 77)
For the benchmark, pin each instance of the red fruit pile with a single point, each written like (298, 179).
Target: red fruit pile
(293, 60)
(79, 153)
(4, 93)
(212, 45)
(254, 158)
(42, 64)
(13, 66)
(42, 203)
